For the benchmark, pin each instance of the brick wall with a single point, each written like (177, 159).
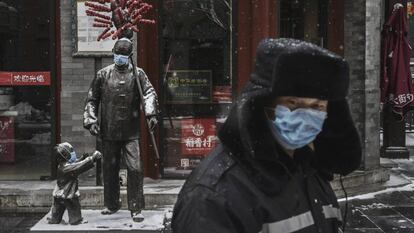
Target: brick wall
(372, 72)
(362, 45)
(77, 74)
(362, 25)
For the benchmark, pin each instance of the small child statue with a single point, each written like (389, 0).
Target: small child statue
(66, 193)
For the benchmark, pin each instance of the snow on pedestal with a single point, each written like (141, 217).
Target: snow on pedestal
(96, 222)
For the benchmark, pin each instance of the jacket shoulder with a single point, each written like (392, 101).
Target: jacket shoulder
(211, 169)
(140, 71)
(106, 69)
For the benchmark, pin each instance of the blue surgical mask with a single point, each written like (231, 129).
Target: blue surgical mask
(73, 157)
(121, 60)
(297, 128)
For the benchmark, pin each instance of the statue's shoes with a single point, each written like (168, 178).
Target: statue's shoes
(80, 221)
(107, 211)
(137, 217)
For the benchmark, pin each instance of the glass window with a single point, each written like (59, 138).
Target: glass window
(305, 20)
(25, 89)
(197, 84)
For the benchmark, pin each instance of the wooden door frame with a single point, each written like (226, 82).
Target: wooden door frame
(148, 58)
(55, 85)
(257, 19)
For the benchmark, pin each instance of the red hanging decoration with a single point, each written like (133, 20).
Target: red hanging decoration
(104, 33)
(93, 13)
(96, 7)
(101, 1)
(99, 20)
(101, 25)
(127, 16)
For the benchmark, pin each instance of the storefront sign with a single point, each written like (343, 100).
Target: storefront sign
(189, 86)
(25, 78)
(198, 136)
(222, 94)
(6, 139)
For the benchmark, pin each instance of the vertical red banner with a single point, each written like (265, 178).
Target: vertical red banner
(198, 136)
(7, 139)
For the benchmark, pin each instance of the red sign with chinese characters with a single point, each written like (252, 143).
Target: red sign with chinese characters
(25, 78)
(198, 136)
(6, 139)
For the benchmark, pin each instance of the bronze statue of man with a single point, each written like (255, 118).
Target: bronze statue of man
(115, 91)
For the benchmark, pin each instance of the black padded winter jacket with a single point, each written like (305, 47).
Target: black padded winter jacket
(248, 184)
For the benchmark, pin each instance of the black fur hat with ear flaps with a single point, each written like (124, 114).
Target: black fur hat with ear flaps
(290, 67)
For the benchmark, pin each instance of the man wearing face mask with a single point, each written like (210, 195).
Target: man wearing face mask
(115, 91)
(288, 133)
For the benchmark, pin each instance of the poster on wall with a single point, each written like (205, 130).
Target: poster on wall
(189, 86)
(6, 139)
(87, 34)
(198, 136)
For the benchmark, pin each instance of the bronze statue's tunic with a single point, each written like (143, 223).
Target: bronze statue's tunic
(115, 92)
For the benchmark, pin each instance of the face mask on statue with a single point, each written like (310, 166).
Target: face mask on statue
(297, 128)
(121, 60)
(72, 157)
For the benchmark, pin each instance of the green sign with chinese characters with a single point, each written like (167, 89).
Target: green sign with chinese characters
(189, 86)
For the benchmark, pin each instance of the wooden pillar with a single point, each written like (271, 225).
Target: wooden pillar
(56, 83)
(336, 26)
(257, 19)
(149, 60)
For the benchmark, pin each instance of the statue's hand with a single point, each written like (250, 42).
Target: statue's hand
(94, 130)
(96, 155)
(152, 123)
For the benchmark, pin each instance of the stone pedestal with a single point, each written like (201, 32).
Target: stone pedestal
(394, 137)
(118, 222)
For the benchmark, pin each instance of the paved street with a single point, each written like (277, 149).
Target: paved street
(390, 210)
(18, 223)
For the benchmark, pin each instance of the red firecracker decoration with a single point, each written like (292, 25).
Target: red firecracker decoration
(127, 15)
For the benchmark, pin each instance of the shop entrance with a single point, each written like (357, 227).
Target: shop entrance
(27, 89)
(196, 87)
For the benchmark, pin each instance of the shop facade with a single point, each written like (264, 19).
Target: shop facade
(28, 85)
(198, 56)
(216, 40)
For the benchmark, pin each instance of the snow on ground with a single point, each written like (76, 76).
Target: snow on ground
(373, 206)
(154, 221)
(409, 139)
(409, 187)
(396, 180)
(398, 176)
